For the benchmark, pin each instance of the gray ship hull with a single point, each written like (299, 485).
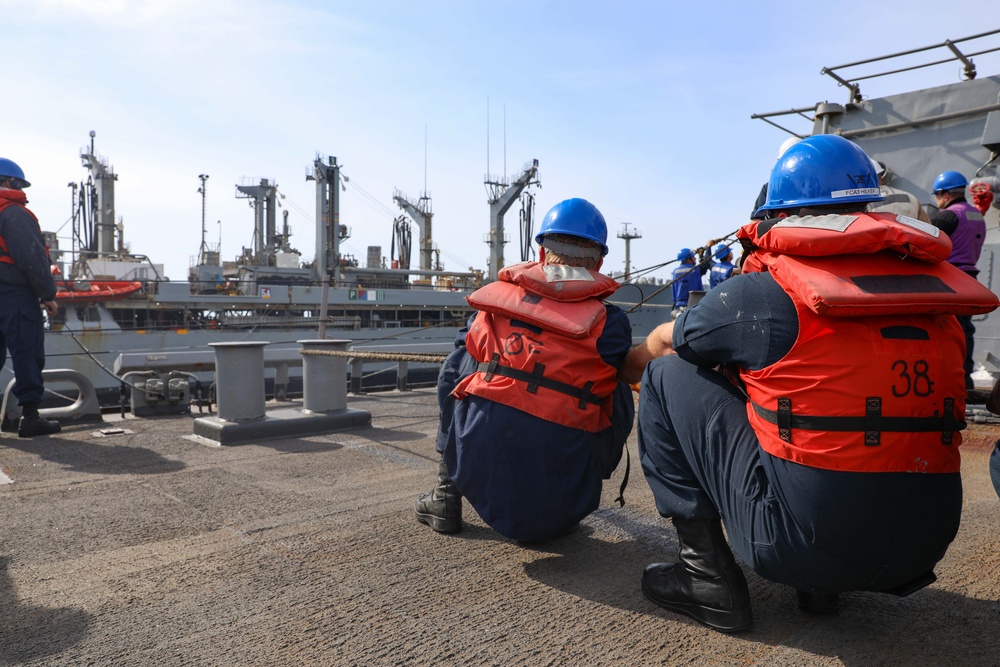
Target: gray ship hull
(92, 337)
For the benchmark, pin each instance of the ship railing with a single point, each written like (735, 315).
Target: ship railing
(146, 271)
(950, 46)
(350, 322)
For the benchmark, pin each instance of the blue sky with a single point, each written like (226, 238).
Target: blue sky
(641, 107)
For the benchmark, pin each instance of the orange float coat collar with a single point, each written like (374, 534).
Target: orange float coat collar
(535, 339)
(874, 381)
(12, 198)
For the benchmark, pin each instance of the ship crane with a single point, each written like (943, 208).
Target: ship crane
(501, 195)
(422, 213)
(264, 196)
(329, 231)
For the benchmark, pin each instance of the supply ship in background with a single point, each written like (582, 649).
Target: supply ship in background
(114, 300)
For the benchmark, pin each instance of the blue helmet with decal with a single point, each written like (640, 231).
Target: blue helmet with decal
(949, 180)
(721, 251)
(575, 217)
(821, 170)
(10, 170)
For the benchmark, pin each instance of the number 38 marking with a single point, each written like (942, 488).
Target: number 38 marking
(915, 379)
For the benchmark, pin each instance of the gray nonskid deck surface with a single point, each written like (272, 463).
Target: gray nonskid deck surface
(149, 548)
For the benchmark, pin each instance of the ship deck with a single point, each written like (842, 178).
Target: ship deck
(144, 546)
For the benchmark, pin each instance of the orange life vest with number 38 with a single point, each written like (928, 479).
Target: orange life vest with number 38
(874, 381)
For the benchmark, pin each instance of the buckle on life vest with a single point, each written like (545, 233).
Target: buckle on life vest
(784, 421)
(873, 421)
(491, 368)
(950, 423)
(536, 378)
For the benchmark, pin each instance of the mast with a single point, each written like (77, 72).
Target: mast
(501, 195)
(204, 246)
(627, 236)
(102, 192)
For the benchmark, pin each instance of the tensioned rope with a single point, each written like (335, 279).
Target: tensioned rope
(381, 356)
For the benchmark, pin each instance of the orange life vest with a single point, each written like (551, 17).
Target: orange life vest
(13, 198)
(874, 381)
(550, 369)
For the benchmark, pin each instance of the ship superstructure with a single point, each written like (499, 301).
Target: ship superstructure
(922, 133)
(116, 301)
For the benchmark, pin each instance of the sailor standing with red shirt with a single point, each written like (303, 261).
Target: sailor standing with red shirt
(828, 443)
(25, 281)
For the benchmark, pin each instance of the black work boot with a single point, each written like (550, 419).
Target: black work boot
(707, 584)
(33, 424)
(441, 509)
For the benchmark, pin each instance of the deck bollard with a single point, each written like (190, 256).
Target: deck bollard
(324, 378)
(239, 372)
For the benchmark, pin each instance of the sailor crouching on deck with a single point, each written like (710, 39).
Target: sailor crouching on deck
(828, 446)
(25, 280)
(533, 417)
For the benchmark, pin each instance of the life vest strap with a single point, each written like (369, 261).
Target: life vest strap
(872, 424)
(536, 379)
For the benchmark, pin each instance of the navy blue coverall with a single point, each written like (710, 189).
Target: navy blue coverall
(23, 285)
(528, 478)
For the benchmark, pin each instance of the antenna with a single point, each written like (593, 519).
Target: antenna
(204, 247)
(487, 134)
(425, 158)
(504, 138)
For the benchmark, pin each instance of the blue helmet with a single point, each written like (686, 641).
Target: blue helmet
(575, 217)
(949, 180)
(8, 169)
(721, 251)
(685, 253)
(819, 170)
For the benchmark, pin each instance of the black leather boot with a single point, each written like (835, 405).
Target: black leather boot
(707, 584)
(441, 509)
(33, 424)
